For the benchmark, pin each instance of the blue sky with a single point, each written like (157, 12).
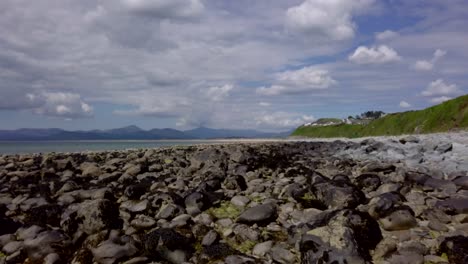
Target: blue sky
(266, 64)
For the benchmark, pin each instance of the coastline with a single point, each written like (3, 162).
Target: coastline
(237, 201)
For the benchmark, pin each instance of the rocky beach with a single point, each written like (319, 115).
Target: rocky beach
(375, 200)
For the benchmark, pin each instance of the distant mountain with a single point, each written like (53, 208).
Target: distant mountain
(210, 133)
(132, 133)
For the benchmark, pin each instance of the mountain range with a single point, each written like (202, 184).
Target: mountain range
(132, 133)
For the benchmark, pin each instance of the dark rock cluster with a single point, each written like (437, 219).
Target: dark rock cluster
(284, 202)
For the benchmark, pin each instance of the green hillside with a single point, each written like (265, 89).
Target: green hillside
(448, 116)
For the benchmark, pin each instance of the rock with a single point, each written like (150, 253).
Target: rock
(134, 192)
(143, 222)
(384, 204)
(461, 182)
(384, 249)
(195, 203)
(235, 183)
(346, 238)
(258, 214)
(135, 206)
(245, 233)
(45, 243)
(218, 251)
(240, 201)
(409, 139)
(444, 147)
(262, 249)
(338, 195)
(282, 255)
(406, 258)
(168, 244)
(90, 170)
(12, 247)
(109, 252)
(210, 238)
(52, 258)
(368, 182)
(8, 226)
(399, 220)
(91, 217)
(44, 215)
(454, 205)
(456, 249)
(238, 259)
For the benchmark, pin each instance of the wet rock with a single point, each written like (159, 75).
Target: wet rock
(401, 219)
(90, 170)
(108, 252)
(134, 192)
(210, 238)
(258, 214)
(454, 205)
(135, 206)
(338, 195)
(168, 244)
(456, 249)
(347, 237)
(91, 217)
(281, 254)
(45, 243)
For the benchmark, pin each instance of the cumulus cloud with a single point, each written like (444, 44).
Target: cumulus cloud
(282, 120)
(218, 93)
(404, 104)
(66, 105)
(441, 99)
(374, 55)
(332, 19)
(439, 87)
(305, 80)
(385, 35)
(425, 65)
(166, 8)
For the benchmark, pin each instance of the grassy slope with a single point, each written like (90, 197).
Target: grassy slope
(450, 115)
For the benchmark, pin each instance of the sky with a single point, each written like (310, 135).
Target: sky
(269, 65)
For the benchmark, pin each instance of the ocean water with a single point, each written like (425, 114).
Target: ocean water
(23, 147)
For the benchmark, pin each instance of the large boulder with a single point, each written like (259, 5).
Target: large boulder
(346, 238)
(91, 217)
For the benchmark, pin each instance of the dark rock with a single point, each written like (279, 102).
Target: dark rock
(368, 182)
(462, 182)
(338, 195)
(444, 147)
(135, 191)
(91, 217)
(384, 204)
(456, 249)
(409, 139)
(162, 239)
(346, 238)
(400, 219)
(218, 251)
(454, 205)
(196, 202)
(235, 182)
(8, 226)
(260, 214)
(44, 215)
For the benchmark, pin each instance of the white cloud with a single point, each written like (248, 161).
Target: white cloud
(404, 104)
(333, 19)
(66, 105)
(166, 8)
(439, 87)
(219, 93)
(441, 99)
(282, 120)
(385, 35)
(264, 104)
(374, 55)
(305, 80)
(424, 65)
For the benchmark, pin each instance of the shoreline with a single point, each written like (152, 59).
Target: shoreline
(388, 200)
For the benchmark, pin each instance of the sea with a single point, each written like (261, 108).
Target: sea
(28, 147)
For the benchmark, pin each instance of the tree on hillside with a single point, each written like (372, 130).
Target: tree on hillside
(372, 114)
